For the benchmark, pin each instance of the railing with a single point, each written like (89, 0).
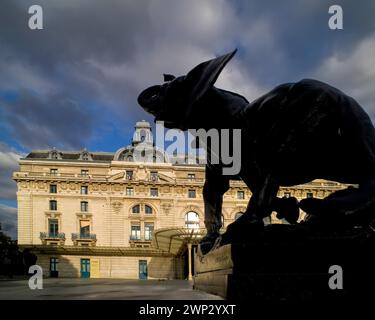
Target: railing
(46, 235)
(134, 238)
(83, 236)
(190, 180)
(60, 175)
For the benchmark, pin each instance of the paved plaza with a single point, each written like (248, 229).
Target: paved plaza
(116, 289)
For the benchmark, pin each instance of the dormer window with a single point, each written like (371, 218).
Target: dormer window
(129, 175)
(85, 156)
(154, 176)
(54, 154)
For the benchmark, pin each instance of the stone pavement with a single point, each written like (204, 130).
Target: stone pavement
(114, 289)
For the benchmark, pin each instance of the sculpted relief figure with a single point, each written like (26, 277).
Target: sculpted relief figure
(292, 135)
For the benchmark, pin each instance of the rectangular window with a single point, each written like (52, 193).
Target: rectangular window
(52, 188)
(240, 195)
(129, 191)
(53, 228)
(84, 206)
(149, 229)
(53, 205)
(191, 176)
(135, 232)
(84, 228)
(53, 172)
(192, 193)
(84, 173)
(309, 195)
(154, 192)
(84, 189)
(154, 175)
(129, 175)
(53, 262)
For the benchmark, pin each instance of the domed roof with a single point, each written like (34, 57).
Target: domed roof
(143, 124)
(142, 147)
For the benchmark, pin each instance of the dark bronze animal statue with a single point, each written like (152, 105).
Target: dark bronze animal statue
(292, 135)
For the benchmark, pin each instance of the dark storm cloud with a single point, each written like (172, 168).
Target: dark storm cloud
(46, 121)
(287, 39)
(8, 164)
(105, 52)
(8, 220)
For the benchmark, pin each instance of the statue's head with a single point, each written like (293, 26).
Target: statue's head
(173, 101)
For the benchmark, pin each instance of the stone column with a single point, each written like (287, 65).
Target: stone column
(190, 276)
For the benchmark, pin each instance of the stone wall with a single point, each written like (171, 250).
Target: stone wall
(115, 266)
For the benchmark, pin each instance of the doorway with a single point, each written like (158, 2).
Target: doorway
(85, 268)
(142, 269)
(53, 271)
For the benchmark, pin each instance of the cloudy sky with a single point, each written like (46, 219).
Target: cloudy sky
(74, 84)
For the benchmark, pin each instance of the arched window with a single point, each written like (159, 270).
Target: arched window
(129, 158)
(238, 214)
(136, 209)
(54, 155)
(148, 209)
(143, 135)
(192, 220)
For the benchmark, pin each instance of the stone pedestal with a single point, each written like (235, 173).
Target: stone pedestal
(213, 271)
(290, 263)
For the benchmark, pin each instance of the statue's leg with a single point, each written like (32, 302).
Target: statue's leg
(214, 188)
(287, 208)
(260, 205)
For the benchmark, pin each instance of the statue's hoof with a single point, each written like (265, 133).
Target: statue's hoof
(288, 210)
(208, 242)
(239, 231)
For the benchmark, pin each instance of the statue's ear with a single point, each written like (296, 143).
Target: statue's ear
(204, 76)
(168, 77)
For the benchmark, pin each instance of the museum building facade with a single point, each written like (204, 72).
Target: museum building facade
(106, 215)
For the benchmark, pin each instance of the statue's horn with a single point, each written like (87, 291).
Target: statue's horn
(204, 75)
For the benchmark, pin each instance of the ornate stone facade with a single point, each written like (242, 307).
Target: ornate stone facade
(104, 208)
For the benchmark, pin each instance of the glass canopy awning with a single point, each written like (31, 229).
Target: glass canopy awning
(174, 240)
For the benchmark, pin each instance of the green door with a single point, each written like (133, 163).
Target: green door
(53, 272)
(142, 269)
(85, 268)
